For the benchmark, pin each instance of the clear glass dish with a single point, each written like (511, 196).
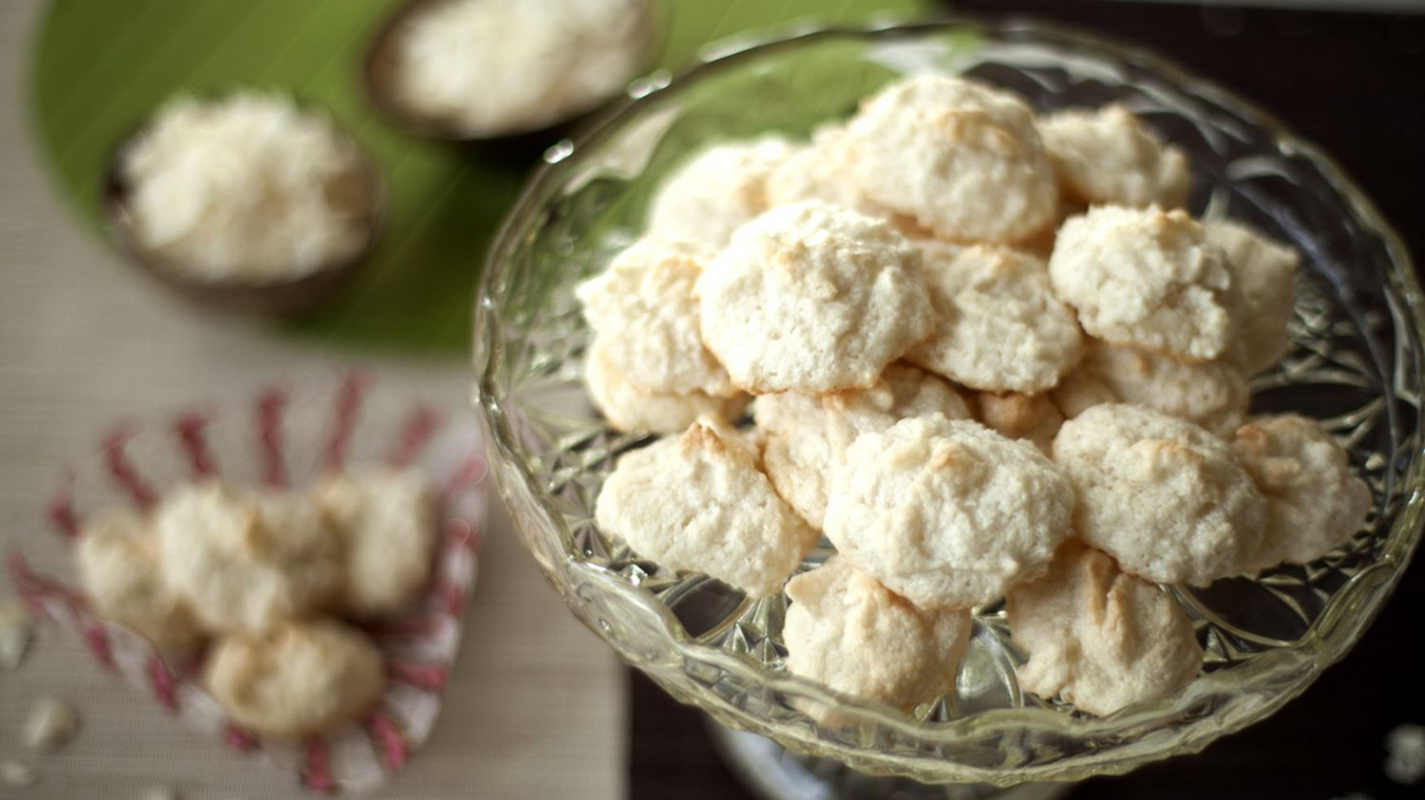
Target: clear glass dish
(1355, 365)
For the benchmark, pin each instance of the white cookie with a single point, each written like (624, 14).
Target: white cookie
(1147, 278)
(820, 170)
(643, 310)
(799, 454)
(903, 391)
(812, 298)
(699, 502)
(1080, 390)
(118, 567)
(1212, 394)
(1168, 500)
(717, 191)
(1031, 417)
(1262, 270)
(962, 159)
(947, 513)
(999, 326)
(629, 408)
(785, 412)
(296, 679)
(386, 520)
(1097, 637)
(849, 632)
(1108, 156)
(1314, 503)
(247, 560)
(799, 466)
(809, 435)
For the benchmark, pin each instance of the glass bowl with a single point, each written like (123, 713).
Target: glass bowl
(1355, 365)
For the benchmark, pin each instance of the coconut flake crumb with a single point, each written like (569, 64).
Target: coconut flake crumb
(491, 67)
(51, 724)
(1405, 762)
(18, 775)
(250, 189)
(16, 631)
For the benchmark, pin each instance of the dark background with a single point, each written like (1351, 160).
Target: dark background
(1355, 84)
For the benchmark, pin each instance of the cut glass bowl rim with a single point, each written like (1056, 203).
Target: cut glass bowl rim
(1285, 672)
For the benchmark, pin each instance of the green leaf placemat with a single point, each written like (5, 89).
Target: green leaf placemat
(101, 67)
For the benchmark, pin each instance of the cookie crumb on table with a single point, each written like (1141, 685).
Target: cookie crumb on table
(16, 631)
(18, 774)
(161, 793)
(52, 723)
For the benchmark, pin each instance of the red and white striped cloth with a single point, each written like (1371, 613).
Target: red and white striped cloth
(286, 436)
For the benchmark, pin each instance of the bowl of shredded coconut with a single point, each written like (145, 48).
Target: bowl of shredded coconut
(491, 69)
(247, 202)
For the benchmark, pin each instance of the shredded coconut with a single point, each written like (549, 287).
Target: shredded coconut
(249, 189)
(492, 67)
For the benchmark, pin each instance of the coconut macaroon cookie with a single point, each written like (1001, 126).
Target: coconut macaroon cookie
(785, 412)
(717, 191)
(1015, 415)
(812, 298)
(947, 513)
(1107, 156)
(819, 170)
(799, 465)
(807, 436)
(962, 159)
(1213, 394)
(118, 567)
(630, 408)
(247, 560)
(1148, 278)
(851, 633)
(643, 310)
(295, 679)
(999, 326)
(699, 502)
(1099, 638)
(902, 391)
(797, 454)
(1168, 500)
(386, 521)
(1314, 503)
(1262, 269)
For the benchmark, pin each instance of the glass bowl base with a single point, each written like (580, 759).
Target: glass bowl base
(771, 772)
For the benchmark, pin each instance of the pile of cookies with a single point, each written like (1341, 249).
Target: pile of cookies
(261, 577)
(991, 357)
